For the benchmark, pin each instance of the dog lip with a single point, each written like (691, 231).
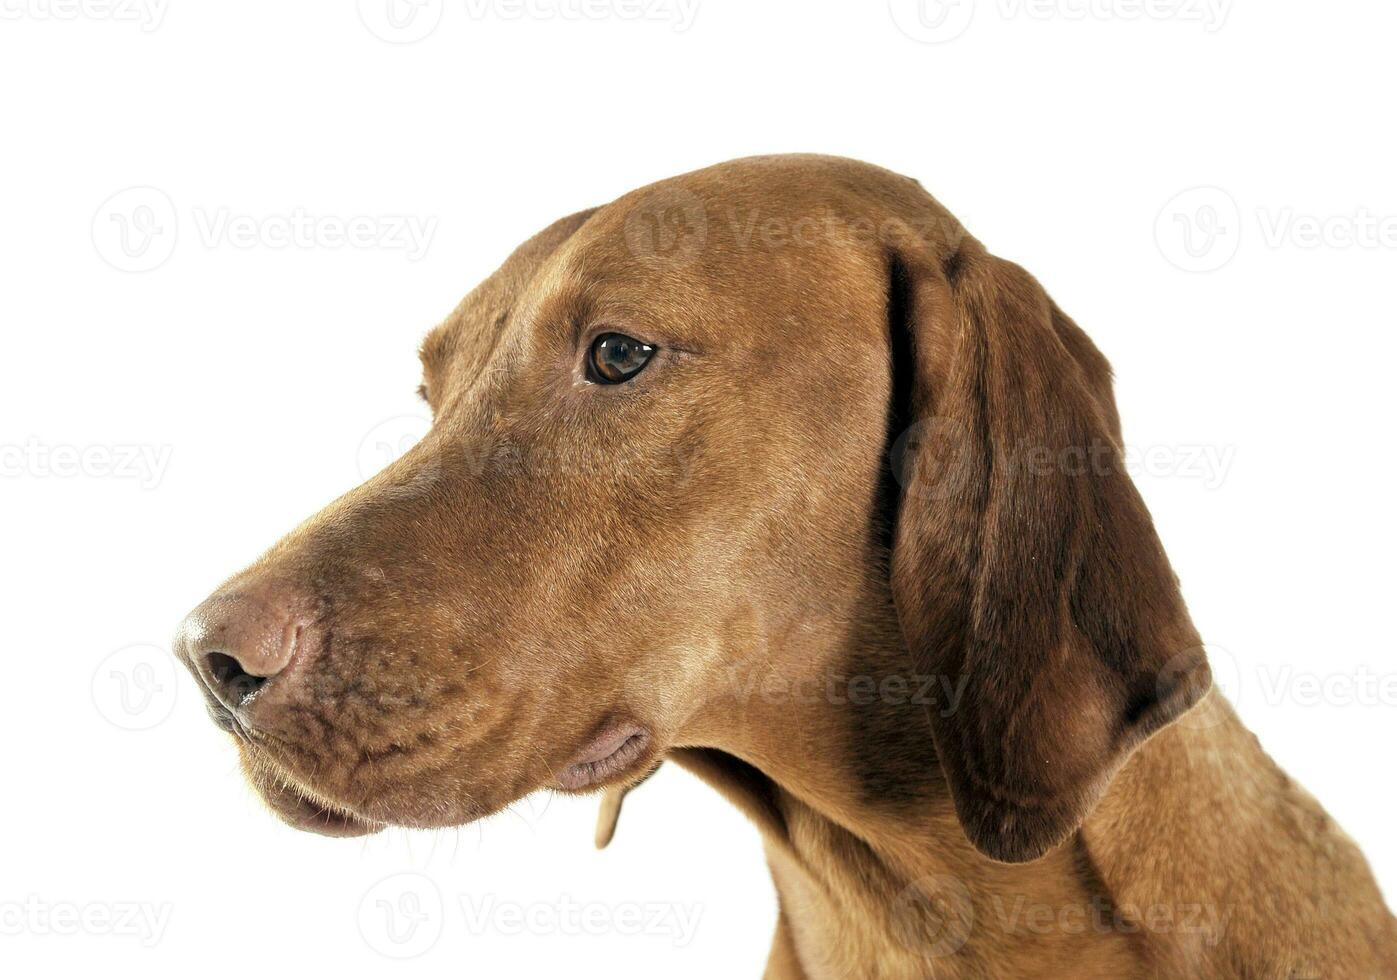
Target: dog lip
(329, 823)
(325, 821)
(223, 718)
(610, 753)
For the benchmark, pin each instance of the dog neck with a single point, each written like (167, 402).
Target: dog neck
(1174, 873)
(827, 749)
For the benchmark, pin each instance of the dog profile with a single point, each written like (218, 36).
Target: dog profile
(773, 471)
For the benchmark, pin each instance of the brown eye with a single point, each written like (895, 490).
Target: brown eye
(615, 358)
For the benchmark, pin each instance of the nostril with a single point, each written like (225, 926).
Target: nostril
(233, 684)
(241, 645)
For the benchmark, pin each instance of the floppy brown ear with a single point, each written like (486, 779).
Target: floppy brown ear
(1025, 568)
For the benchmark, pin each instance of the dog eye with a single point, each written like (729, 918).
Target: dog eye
(615, 358)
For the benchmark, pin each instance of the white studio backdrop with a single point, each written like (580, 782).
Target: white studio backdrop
(225, 227)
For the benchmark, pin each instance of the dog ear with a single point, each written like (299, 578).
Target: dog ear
(1026, 571)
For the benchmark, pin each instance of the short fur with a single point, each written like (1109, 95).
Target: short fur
(857, 548)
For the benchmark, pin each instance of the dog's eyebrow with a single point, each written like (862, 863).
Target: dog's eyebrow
(436, 347)
(433, 352)
(459, 346)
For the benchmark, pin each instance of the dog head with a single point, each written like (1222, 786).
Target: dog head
(713, 405)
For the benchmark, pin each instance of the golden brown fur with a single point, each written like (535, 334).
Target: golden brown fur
(857, 548)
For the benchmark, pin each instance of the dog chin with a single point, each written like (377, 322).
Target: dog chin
(325, 821)
(619, 752)
(304, 813)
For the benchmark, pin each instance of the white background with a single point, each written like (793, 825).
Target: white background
(261, 379)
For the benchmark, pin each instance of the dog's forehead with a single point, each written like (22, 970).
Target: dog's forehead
(706, 249)
(467, 336)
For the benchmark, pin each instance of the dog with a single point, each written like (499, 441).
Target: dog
(773, 471)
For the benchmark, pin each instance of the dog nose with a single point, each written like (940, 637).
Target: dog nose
(237, 643)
